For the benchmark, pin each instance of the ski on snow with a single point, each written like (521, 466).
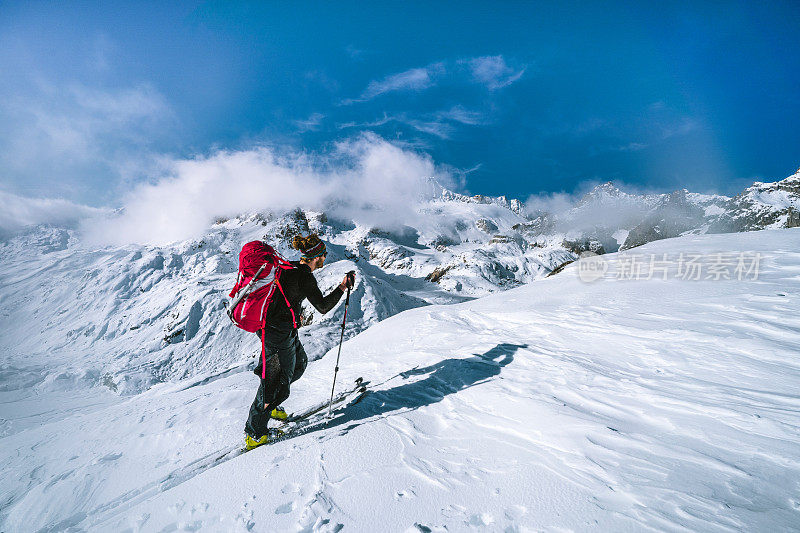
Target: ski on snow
(297, 423)
(359, 388)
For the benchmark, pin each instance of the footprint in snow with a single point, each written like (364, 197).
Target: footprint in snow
(484, 519)
(515, 512)
(286, 508)
(404, 494)
(110, 457)
(291, 488)
(322, 525)
(422, 528)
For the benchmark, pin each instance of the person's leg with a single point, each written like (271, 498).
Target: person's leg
(287, 352)
(300, 360)
(257, 420)
(259, 416)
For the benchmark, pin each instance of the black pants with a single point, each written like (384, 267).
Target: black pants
(286, 362)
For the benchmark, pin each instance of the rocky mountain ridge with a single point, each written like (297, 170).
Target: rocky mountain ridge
(607, 219)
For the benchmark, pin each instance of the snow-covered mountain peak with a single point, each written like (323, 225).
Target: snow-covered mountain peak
(436, 191)
(766, 205)
(433, 189)
(608, 196)
(606, 218)
(601, 192)
(790, 184)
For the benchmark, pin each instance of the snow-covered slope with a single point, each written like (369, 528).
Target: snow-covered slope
(617, 405)
(124, 318)
(127, 317)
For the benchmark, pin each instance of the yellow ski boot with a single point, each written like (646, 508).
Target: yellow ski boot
(279, 413)
(272, 434)
(250, 442)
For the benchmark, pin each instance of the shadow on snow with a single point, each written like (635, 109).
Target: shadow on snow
(443, 378)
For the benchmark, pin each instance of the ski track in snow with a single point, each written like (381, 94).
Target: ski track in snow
(561, 405)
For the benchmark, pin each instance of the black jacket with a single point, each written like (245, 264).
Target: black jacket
(298, 284)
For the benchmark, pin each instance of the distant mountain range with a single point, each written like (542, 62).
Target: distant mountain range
(607, 219)
(160, 309)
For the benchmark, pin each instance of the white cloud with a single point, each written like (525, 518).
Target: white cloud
(366, 179)
(312, 123)
(75, 120)
(17, 212)
(575, 212)
(431, 125)
(460, 114)
(556, 203)
(373, 124)
(493, 72)
(633, 147)
(415, 79)
(437, 128)
(657, 131)
(58, 136)
(121, 107)
(438, 124)
(356, 54)
(320, 77)
(682, 126)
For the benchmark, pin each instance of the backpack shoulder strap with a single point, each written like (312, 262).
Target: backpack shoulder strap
(282, 263)
(285, 299)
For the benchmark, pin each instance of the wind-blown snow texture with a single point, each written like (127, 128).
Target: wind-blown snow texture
(617, 405)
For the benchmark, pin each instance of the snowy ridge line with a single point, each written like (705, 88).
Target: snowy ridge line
(158, 308)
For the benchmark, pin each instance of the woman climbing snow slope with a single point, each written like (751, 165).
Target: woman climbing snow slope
(284, 355)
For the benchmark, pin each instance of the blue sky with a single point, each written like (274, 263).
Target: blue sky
(517, 98)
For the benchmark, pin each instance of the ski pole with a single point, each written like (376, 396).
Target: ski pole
(341, 338)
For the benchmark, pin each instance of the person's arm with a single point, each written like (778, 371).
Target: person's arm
(323, 304)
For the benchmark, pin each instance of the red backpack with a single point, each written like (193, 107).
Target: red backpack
(260, 269)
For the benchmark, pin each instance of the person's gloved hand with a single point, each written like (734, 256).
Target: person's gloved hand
(349, 281)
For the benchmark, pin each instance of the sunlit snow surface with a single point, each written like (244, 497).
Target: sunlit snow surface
(616, 405)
